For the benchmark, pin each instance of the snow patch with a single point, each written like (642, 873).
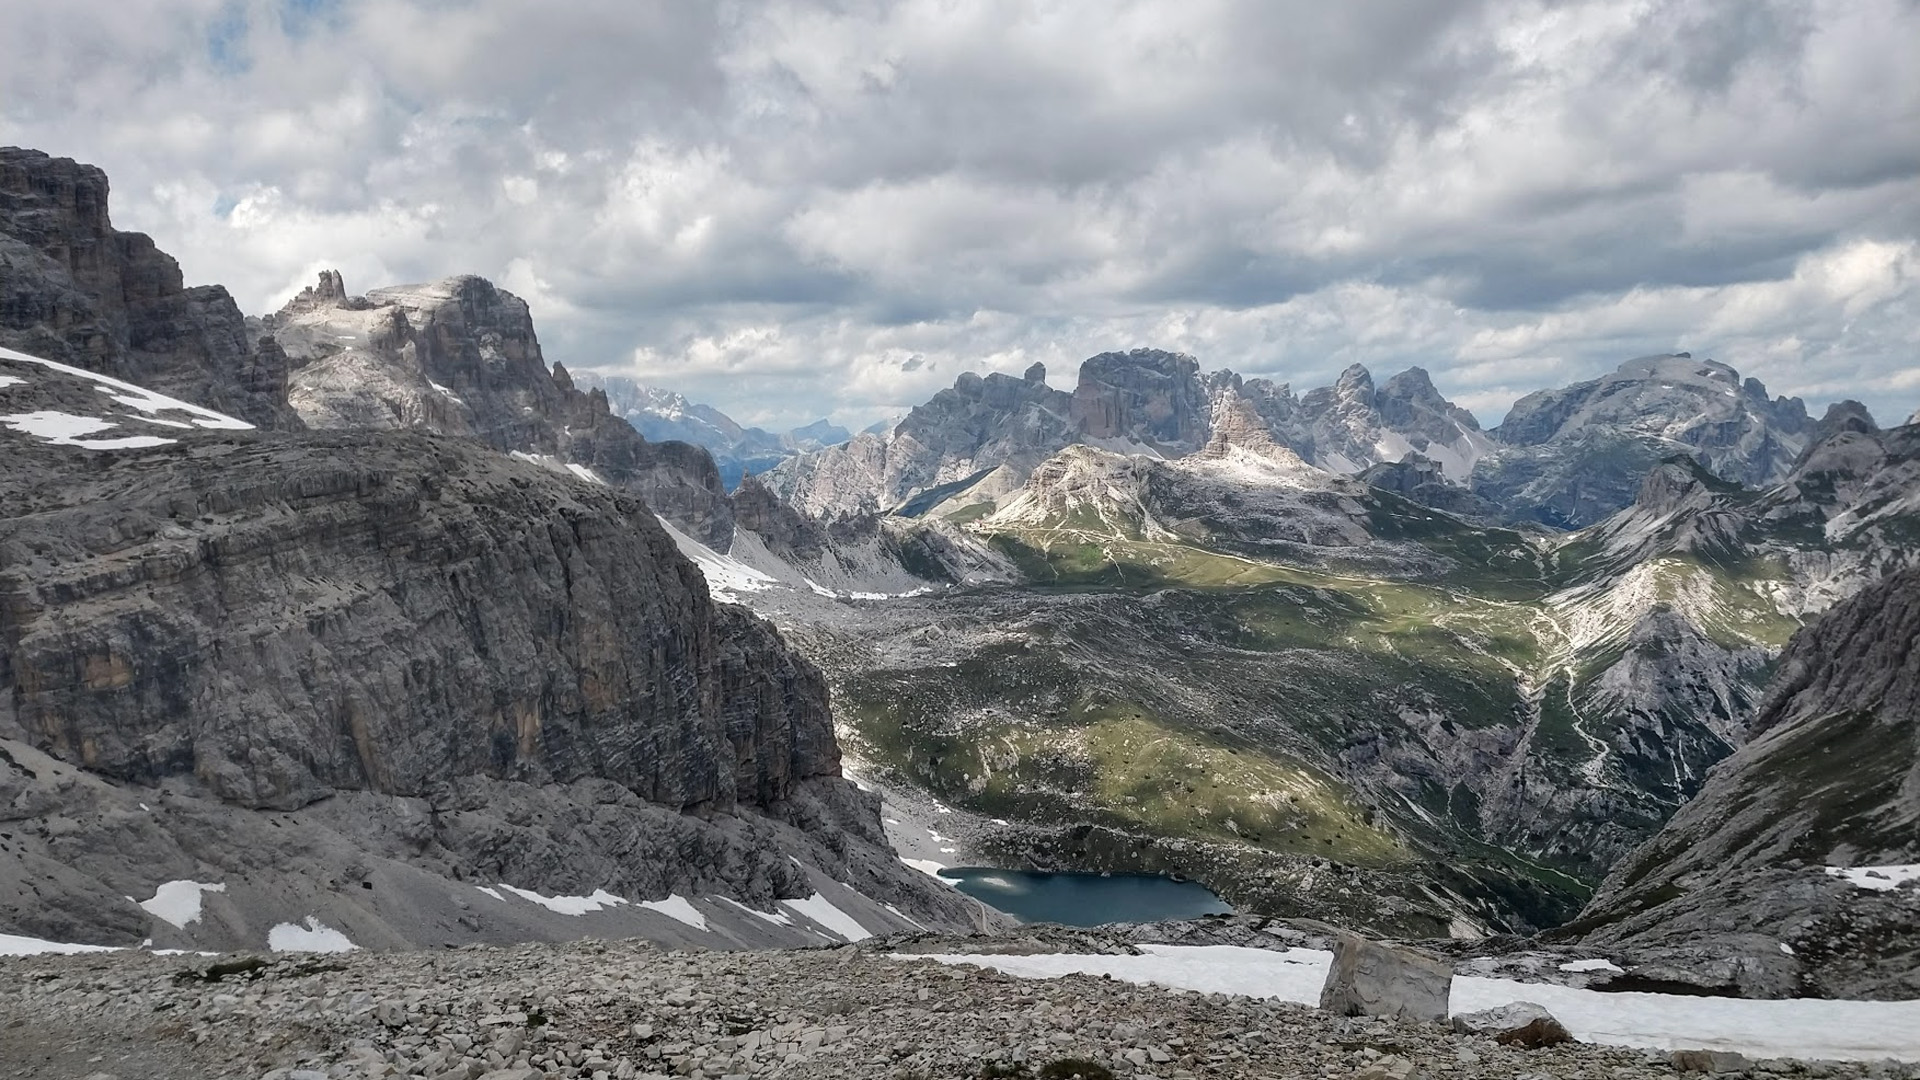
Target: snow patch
(569, 905)
(726, 576)
(66, 429)
(491, 891)
(137, 398)
(1597, 964)
(821, 910)
(315, 936)
(10, 380)
(774, 917)
(679, 909)
(178, 902)
(929, 867)
(16, 945)
(1877, 878)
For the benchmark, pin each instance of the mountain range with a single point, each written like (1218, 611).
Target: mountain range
(1356, 596)
(364, 615)
(1563, 458)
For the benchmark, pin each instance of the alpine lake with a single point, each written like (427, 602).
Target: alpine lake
(1085, 899)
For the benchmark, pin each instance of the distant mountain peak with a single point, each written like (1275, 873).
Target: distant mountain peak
(1664, 404)
(1848, 415)
(738, 451)
(1354, 380)
(1679, 365)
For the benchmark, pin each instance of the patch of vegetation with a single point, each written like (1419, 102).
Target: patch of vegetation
(971, 513)
(1184, 783)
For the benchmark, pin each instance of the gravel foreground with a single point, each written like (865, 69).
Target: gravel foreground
(599, 1009)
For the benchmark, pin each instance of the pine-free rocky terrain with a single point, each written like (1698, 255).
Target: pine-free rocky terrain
(630, 1009)
(389, 705)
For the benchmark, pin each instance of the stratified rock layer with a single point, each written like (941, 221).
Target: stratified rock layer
(75, 289)
(283, 619)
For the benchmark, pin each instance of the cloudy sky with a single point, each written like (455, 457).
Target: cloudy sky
(834, 207)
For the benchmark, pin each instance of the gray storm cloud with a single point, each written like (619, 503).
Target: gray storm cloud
(800, 209)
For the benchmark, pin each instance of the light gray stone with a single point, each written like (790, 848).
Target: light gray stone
(1368, 978)
(1709, 1061)
(1518, 1023)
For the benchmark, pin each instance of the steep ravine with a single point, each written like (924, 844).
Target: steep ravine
(1739, 881)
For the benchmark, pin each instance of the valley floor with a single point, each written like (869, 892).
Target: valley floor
(624, 1009)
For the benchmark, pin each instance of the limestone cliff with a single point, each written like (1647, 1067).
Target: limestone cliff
(441, 643)
(350, 674)
(75, 289)
(968, 430)
(460, 357)
(1144, 399)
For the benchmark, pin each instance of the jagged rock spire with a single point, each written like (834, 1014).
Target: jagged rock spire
(330, 291)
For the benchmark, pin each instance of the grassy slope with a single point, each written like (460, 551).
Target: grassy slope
(1293, 665)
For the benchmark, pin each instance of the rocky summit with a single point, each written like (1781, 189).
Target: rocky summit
(460, 357)
(75, 289)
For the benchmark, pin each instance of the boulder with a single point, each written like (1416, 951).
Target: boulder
(1517, 1023)
(1372, 979)
(1709, 1061)
(1389, 1068)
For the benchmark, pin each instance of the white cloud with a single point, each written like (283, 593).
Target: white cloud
(794, 208)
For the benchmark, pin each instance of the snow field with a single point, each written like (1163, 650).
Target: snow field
(70, 429)
(1798, 1028)
(1877, 878)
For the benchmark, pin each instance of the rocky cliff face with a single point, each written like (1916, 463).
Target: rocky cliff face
(1574, 455)
(75, 289)
(977, 425)
(1753, 871)
(1145, 398)
(604, 659)
(400, 623)
(460, 357)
